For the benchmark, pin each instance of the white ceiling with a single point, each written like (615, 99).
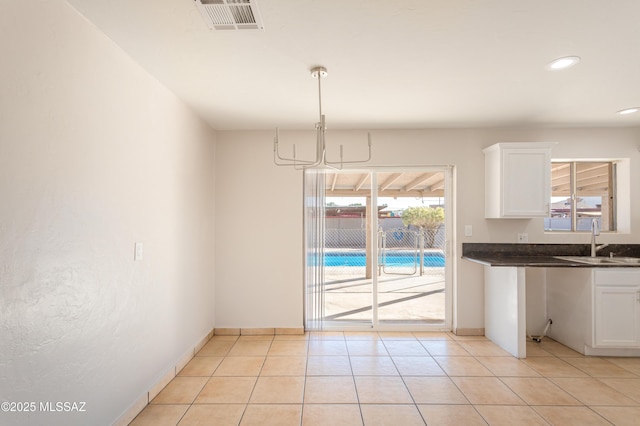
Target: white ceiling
(393, 63)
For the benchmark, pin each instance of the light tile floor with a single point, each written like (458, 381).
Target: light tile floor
(367, 378)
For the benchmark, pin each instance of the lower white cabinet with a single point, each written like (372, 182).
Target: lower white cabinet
(595, 311)
(616, 309)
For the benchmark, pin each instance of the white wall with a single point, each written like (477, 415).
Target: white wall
(270, 294)
(94, 156)
(259, 250)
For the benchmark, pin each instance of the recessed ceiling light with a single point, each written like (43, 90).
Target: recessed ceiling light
(563, 63)
(628, 110)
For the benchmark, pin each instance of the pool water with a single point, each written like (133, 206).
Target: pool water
(389, 259)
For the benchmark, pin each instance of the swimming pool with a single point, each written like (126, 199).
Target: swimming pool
(355, 259)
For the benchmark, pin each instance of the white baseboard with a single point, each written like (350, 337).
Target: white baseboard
(144, 399)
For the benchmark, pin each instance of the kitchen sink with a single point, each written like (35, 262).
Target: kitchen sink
(622, 259)
(587, 259)
(600, 260)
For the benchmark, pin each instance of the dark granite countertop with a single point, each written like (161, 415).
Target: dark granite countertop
(544, 255)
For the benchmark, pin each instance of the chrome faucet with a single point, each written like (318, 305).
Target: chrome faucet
(595, 232)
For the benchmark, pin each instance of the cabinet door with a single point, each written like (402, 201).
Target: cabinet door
(517, 179)
(526, 182)
(616, 316)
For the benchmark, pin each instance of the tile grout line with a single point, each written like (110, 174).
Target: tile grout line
(415, 404)
(304, 385)
(475, 409)
(355, 386)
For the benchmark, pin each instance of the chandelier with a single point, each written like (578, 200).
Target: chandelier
(321, 128)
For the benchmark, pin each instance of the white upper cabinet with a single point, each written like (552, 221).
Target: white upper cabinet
(517, 180)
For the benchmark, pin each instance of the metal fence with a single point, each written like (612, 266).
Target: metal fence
(345, 254)
(401, 251)
(407, 251)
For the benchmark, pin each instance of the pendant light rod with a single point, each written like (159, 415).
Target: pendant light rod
(321, 152)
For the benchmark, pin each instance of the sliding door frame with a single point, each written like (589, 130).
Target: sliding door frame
(449, 252)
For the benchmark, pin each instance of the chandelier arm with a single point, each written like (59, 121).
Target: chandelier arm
(284, 161)
(289, 161)
(341, 162)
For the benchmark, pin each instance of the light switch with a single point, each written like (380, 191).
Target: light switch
(468, 230)
(137, 255)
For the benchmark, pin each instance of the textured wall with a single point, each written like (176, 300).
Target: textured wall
(95, 155)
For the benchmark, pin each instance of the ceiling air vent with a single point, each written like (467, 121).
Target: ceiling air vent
(230, 14)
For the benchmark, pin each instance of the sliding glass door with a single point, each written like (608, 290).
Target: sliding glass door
(376, 248)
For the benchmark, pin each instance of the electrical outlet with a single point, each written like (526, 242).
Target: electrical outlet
(468, 230)
(523, 237)
(138, 252)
